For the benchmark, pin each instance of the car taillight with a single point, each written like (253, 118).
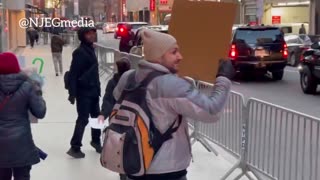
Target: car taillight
(233, 52)
(117, 29)
(285, 51)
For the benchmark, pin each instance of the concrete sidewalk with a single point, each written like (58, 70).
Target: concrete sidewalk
(53, 134)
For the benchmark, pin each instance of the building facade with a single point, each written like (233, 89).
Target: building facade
(283, 12)
(12, 36)
(154, 11)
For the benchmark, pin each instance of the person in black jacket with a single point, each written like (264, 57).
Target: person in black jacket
(32, 34)
(19, 95)
(123, 65)
(109, 101)
(84, 89)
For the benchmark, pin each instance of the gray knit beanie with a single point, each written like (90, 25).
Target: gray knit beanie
(156, 44)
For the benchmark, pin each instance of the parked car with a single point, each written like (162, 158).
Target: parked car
(297, 44)
(122, 28)
(259, 48)
(99, 25)
(109, 27)
(310, 69)
(136, 43)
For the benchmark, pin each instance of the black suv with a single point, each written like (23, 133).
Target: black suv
(310, 69)
(260, 48)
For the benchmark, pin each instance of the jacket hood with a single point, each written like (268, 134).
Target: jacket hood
(82, 31)
(11, 82)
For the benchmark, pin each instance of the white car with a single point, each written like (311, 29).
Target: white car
(109, 28)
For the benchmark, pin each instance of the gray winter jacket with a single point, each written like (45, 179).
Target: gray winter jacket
(167, 97)
(17, 146)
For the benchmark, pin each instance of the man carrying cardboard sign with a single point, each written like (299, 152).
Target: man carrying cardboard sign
(169, 97)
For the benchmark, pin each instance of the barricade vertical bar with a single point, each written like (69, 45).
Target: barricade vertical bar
(310, 153)
(280, 140)
(261, 137)
(275, 140)
(297, 150)
(303, 148)
(270, 137)
(285, 145)
(317, 150)
(290, 152)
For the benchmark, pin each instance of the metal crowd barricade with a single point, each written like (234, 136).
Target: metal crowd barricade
(282, 144)
(227, 131)
(107, 58)
(268, 140)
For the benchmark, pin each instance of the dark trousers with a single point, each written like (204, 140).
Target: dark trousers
(32, 42)
(19, 173)
(86, 106)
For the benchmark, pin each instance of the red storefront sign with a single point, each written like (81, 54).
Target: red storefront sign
(276, 19)
(253, 23)
(152, 5)
(163, 1)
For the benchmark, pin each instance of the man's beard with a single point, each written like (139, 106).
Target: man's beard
(173, 71)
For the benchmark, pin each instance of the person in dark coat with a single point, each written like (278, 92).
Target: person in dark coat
(302, 30)
(32, 34)
(56, 48)
(84, 89)
(18, 96)
(123, 65)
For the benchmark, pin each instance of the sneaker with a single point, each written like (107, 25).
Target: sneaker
(96, 146)
(76, 154)
(123, 177)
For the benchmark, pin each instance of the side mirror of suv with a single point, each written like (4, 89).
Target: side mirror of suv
(315, 45)
(317, 53)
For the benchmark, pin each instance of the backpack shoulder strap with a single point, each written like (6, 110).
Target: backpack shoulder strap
(150, 77)
(130, 84)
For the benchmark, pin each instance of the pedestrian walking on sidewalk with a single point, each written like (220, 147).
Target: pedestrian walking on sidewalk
(32, 33)
(45, 31)
(123, 65)
(170, 99)
(56, 49)
(84, 89)
(302, 29)
(18, 96)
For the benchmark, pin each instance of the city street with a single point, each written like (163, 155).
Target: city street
(285, 93)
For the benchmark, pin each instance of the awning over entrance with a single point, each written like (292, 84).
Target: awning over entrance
(35, 10)
(288, 2)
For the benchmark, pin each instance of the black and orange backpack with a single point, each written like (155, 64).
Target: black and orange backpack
(132, 140)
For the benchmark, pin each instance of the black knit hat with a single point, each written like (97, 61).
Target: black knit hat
(83, 30)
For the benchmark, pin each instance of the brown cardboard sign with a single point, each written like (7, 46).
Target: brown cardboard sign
(203, 30)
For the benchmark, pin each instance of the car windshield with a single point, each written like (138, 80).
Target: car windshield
(253, 36)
